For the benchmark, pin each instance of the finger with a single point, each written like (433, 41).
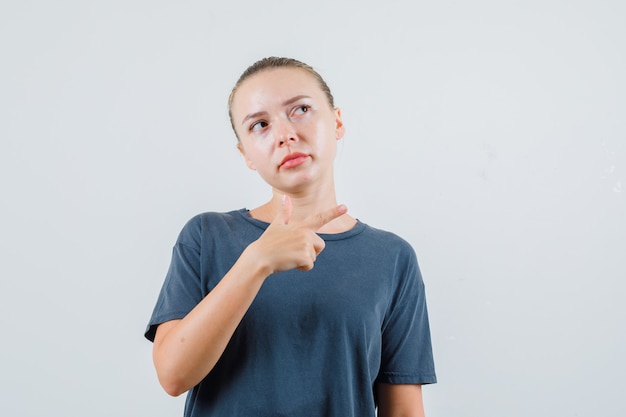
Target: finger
(324, 217)
(310, 263)
(318, 246)
(284, 213)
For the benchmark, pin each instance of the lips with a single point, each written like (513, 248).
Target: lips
(293, 160)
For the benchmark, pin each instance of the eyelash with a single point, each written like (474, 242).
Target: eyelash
(251, 128)
(304, 107)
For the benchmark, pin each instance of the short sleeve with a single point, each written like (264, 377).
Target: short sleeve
(182, 289)
(407, 356)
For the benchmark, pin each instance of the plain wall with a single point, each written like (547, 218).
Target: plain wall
(489, 134)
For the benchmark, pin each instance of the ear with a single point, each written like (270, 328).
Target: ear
(340, 129)
(243, 153)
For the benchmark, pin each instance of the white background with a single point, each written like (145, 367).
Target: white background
(489, 134)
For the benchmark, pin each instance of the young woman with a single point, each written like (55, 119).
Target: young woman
(294, 308)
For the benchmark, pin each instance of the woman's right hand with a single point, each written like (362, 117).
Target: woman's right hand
(287, 244)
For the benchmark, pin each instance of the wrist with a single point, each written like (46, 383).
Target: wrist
(255, 263)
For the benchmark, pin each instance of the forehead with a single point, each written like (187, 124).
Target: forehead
(275, 85)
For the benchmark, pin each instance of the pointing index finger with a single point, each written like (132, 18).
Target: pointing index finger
(326, 216)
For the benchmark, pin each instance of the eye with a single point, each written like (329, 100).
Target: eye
(302, 109)
(257, 126)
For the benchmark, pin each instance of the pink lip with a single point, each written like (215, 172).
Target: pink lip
(293, 160)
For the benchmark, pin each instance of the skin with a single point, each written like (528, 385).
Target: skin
(288, 133)
(281, 111)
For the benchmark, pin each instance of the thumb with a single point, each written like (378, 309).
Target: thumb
(284, 213)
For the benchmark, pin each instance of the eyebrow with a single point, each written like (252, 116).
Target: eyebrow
(285, 103)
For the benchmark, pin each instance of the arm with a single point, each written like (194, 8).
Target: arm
(186, 350)
(400, 400)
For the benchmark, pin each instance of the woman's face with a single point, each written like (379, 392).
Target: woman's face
(287, 129)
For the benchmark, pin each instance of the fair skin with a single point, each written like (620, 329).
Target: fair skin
(287, 133)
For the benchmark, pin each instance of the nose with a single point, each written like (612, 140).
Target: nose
(285, 133)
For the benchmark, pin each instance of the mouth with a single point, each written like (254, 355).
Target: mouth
(293, 160)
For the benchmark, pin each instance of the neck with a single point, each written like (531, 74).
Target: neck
(303, 206)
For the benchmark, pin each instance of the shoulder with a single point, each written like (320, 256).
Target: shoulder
(394, 252)
(196, 228)
(387, 241)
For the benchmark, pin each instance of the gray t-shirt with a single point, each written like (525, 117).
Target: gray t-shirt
(312, 343)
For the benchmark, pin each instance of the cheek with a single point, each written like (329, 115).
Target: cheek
(327, 136)
(258, 157)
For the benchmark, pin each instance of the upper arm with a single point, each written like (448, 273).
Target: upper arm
(400, 400)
